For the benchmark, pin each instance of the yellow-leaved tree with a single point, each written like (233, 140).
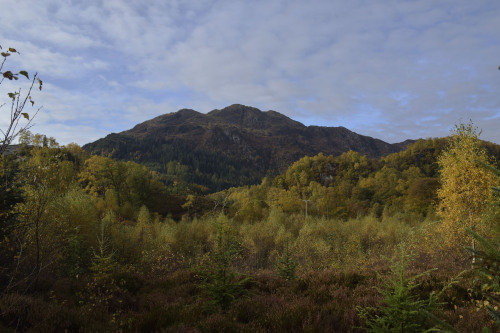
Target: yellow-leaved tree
(465, 193)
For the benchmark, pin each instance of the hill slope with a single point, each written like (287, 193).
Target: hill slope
(234, 146)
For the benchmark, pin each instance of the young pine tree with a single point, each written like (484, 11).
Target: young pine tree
(402, 310)
(221, 283)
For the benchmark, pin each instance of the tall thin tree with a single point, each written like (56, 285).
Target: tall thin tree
(465, 191)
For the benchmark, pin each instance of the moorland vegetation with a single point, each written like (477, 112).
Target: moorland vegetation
(84, 245)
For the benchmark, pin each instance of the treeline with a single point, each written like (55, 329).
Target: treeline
(181, 161)
(348, 186)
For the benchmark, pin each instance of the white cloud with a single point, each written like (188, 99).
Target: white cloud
(394, 70)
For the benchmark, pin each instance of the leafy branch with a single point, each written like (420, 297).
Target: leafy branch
(17, 102)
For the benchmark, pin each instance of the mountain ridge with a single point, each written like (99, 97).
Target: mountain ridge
(246, 141)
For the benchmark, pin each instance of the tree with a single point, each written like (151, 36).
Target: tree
(465, 191)
(10, 193)
(17, 102)
(123, 185)
(46, 176)
(103, 173)
(190, 199)
(221, 283)
(403, 310)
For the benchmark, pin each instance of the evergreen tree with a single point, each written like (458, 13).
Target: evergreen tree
(402, 309)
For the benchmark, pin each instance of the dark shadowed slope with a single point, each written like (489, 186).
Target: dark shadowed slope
(233, 146)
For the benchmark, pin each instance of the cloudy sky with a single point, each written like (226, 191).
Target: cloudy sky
(389, 69)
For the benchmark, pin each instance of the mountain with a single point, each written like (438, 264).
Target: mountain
(234, 146)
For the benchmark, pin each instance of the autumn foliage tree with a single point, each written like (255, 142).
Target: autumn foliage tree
(46, 175)
(465, 191)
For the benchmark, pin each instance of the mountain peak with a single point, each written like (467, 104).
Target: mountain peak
(250, 117)
(238, 114)
(186, 112)
(238, 108)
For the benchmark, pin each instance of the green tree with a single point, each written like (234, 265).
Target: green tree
(10, 196)
(403, 310)
(421, 194)
(465, 192)
(287, 264)
(10, 193)
(221, 283)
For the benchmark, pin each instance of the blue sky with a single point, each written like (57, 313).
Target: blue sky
(393, 70)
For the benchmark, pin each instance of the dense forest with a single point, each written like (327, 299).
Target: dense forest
(340, 243)
(182, 161)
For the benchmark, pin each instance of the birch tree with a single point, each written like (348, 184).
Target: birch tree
(465, 192)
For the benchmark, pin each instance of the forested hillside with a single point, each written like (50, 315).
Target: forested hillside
(351, 185)
(235, 146)
(94, 243)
